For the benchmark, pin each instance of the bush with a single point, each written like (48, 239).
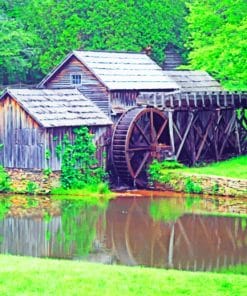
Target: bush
(4, 180)
(31, 187)
(79, 164)
(156, 167)
(192, 187)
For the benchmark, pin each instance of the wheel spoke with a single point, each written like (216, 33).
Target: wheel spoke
(142, 132)
(143, 148)
(141, 165)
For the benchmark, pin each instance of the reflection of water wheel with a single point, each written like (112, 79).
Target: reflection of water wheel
(140, 135)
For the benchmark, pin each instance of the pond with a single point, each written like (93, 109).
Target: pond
(160, 230)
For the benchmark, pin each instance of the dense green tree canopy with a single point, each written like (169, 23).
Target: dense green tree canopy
(36, 35)
(54, 28)
(218, 40)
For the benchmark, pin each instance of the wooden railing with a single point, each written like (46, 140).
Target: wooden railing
(195, 100)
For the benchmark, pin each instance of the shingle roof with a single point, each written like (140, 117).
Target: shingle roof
(54, 108)
(122, 70)
(194, 81)
(126, 70)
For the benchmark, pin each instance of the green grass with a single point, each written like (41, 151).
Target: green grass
(231, 168)
(30, 276)
(101, 189)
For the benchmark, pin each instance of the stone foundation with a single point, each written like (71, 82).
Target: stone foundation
(26, 181)
(205, 184)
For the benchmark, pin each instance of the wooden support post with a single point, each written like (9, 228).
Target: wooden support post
(216, 134)
(163, 100)
(237, 134)
(171, 132)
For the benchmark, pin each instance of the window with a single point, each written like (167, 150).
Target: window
(75, 79)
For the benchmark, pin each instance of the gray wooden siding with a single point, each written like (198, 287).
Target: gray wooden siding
(23, 140)
(123, 99)
(54, 137)
(25, 143)
(90, 86)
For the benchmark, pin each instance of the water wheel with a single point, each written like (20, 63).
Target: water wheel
(140, 135)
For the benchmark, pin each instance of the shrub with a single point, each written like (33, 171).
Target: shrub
(4, 180)
(31, 187)
(156, 167)
(192, 187)
(79, 164)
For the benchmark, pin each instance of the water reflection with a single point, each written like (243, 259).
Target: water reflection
(183, 233)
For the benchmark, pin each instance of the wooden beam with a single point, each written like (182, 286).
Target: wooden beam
(185, 135)
(209, 124)
(171, 132)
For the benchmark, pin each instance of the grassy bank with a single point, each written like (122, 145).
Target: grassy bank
(231, 168)
(101, 189)
(228, 178)
(29, 276)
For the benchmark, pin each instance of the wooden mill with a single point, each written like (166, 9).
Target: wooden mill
(141, 112)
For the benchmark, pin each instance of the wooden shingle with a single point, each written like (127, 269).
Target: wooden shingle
(57, 108)
(194, 81)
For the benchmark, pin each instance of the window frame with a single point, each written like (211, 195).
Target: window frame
(75, 79)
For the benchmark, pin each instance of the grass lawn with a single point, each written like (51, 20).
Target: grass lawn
(232, 168)
(29, 276)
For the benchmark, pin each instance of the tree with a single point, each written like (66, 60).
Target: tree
(217, 43)
(57, 27)
(16, 51)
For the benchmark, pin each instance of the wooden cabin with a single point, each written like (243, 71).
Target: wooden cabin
(34, 121)
(112, 80)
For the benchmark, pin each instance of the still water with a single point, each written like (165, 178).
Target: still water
(166, 231)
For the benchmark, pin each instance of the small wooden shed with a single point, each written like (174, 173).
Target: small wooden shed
(34, 121)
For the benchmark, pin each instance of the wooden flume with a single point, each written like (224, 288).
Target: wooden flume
(190, 128)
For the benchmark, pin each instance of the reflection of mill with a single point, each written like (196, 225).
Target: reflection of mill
(192, 242)
(133, 231)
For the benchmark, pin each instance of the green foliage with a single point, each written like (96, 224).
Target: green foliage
(36, 35)
(215, 188)
(31, 187)
(156, 167)
(218, 34)
(47, 154)
(47, 172)
(4, 180)
(79, 165)
(192, 187)
(17, 49)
